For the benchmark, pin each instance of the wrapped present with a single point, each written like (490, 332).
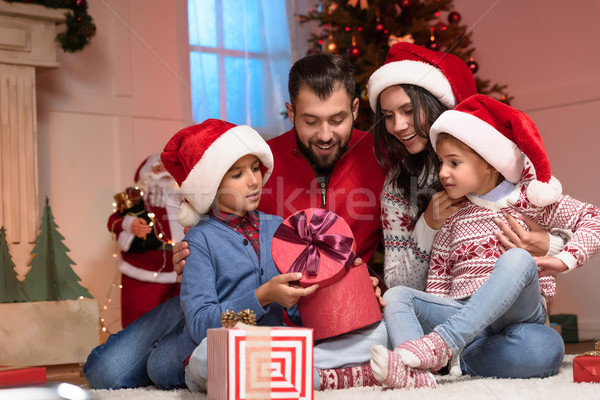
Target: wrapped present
(319, 244)
(586, 367)
(260, 363)
(568, 326)
(10, 377)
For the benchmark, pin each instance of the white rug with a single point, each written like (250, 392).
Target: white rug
(560, 386)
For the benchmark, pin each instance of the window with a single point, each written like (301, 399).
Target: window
(239, 61)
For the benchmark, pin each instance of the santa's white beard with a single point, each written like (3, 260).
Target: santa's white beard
(161, 190)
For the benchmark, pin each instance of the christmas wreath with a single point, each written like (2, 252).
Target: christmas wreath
(80, 26)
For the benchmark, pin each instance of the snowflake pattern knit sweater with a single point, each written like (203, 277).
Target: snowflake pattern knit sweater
(465, 250)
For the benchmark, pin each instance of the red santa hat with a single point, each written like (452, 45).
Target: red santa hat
(199, 156)
(146, 167)
(444, 75)
(501, 134)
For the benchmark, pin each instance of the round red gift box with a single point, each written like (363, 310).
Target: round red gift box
(345, 299)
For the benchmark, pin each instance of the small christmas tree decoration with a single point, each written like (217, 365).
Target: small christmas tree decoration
(11, 289)
(51, 276)
(454, 17)
(329, 45)
(473, 66)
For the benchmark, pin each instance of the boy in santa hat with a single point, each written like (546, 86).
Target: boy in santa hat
(474, 290)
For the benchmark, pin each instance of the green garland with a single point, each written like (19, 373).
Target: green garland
(80, 26)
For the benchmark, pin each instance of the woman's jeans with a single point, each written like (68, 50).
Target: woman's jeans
(498, 331)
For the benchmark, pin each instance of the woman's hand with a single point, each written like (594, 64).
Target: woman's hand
(536, 241)
(440, 208)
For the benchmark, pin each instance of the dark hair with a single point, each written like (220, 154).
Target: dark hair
(405, 169)
(322, 73)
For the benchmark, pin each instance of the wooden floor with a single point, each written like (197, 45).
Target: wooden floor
(71, 373)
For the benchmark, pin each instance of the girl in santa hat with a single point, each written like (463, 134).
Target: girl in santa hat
(408, 93)
(475, 290)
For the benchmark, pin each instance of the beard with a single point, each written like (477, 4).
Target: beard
(322, 162)
(161, 190)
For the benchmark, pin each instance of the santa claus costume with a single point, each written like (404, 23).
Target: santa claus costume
(146, 264)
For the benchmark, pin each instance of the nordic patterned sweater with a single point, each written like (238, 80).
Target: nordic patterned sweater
(465, 250)
(407, 246)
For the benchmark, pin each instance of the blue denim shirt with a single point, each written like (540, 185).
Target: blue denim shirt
(222, 273)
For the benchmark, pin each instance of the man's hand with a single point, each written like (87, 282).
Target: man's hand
(550, 266)
(281, 290)
(536, 241)
(180, 253)
(440, 208)
(140, 228)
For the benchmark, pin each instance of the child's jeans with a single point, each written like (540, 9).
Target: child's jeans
(498, 331)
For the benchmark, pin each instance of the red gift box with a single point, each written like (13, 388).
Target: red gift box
(260, 363)
(320, 244)
(22, 376)
(586, 367)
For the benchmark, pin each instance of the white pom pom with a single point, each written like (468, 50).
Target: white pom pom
(542, 194)
(186, 215)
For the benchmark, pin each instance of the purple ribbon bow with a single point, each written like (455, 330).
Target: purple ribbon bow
(314, 236)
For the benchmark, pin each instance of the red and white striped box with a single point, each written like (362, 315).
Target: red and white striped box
(260, 363)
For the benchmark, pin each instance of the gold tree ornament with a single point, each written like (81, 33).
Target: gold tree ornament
(228, 319)
(246, 317)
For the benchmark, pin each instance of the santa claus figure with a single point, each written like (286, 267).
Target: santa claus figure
(146, 228)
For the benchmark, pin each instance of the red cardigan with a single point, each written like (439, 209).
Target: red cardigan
(353, 189)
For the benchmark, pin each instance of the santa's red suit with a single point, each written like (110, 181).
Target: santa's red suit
(146, 264)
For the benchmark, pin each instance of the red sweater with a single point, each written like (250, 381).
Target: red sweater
(352, 191)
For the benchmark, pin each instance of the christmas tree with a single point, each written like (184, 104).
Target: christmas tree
(364, 30)
(11, 289)
(51, 276)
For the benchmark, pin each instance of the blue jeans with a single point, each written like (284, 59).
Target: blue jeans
(498, 331)
(142, 354)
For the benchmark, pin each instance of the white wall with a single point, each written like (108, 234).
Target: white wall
(124, 96)
(548, 53)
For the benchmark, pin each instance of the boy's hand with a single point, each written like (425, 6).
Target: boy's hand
(281, 290)
(440, 208)
(180, 252)
(536, 241)
(549, 266)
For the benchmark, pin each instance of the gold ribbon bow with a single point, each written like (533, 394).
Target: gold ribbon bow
(364, 4)
(229, 319)
(393, 39)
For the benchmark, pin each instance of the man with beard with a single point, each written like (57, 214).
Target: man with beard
(322, 161)
(145, 226)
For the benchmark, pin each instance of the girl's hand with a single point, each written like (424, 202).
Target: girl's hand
(536, 241)
(440, 208)
(549, 266)
(180, 253)
(281, 290)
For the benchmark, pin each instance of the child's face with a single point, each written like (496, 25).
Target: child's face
(397, 110)
(241, 187)
(463, 171)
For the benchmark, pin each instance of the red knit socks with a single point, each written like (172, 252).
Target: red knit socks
(391, 372)
(429, 352)
(344, 378)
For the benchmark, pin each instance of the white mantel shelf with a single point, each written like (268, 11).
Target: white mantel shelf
(27, 34)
